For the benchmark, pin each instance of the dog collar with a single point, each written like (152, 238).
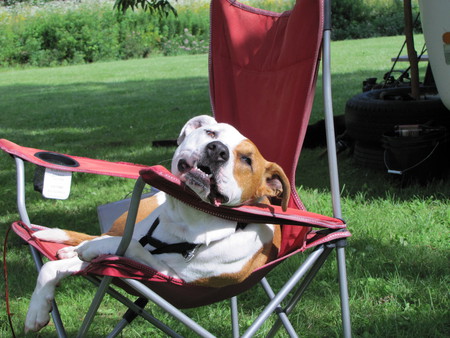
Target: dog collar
(187, 250)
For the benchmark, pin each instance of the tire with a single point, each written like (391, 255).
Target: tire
(368, 155)
(371, 114)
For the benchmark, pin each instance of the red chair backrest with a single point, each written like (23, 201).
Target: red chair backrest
(263, 68)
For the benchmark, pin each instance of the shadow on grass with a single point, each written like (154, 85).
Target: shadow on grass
(373, 183)
(100, 119)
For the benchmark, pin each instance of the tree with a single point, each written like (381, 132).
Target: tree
(161, 7)
(412, 54)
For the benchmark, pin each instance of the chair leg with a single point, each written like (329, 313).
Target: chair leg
(301, 289)
(169, 308)
(345, 308)
(136, 309)
(94, 305)
(234, 316)
(128, 317)
(282, 316)
(285, 290)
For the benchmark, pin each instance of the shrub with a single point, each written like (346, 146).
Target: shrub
(186, 43)
(356, 19)
(57, 33)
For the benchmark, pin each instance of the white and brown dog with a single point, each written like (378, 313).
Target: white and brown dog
(222, 167)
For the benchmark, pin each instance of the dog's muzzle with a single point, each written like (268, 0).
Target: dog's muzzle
(202, 176)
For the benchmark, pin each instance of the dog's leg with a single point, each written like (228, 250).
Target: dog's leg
(62, 236)
(44, 293)
(87, 251)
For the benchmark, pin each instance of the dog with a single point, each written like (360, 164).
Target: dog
(223, 168)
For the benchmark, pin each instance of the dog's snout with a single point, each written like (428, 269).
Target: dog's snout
(183, 166)
(217, 151)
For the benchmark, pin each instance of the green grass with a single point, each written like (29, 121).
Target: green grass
(397, 258)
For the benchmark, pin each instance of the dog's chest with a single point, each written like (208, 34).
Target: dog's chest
(220, 246)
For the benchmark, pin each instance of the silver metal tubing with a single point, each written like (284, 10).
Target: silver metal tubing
(57, 321)
(308, 279)
(234, 316)
(290, 284)
(329, 126)
(301, 289)
(131, 305)
(282, 316)
(333, 168)
(21, 207)
(169, 308)
(20, 177)
(101, 290)
(118, 329)
(131, 218)
(343, 287)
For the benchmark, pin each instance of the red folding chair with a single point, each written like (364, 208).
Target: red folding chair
(263, 67)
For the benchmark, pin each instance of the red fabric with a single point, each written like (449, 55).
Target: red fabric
(262, 74)
(175, 291)
(162, 179)
(263, 68)
(86, 165)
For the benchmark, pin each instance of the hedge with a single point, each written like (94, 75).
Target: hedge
(59, 33)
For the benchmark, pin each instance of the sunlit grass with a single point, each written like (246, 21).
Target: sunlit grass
(397, 258)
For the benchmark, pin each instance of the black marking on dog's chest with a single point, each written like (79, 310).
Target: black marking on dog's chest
(187, 250)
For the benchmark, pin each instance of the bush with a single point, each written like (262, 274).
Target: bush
(58, 33)
(88, 32)
(356, 19)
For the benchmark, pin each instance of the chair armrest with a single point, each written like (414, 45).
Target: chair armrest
(66, 162)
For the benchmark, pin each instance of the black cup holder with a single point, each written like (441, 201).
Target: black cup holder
(56, 158)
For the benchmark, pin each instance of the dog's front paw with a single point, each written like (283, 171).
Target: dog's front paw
(87, 251)
(38, 313)
(67, 252)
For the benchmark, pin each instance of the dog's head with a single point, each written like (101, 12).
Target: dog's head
(224, 167)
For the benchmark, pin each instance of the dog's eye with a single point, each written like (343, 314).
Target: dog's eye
(210, 133)
(247, 160)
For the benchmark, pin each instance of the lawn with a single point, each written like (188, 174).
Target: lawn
(397, 258)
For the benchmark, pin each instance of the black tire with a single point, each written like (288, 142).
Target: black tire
(369, 155)
(371, 114)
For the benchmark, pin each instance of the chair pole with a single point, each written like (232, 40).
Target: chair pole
(333, 168)
(126, 238)
(328, 107)
(20, 181)
(21, 206)
(169, 308)
(135, 308)
(234, 316)
(282, 315)
(301, 289)
(283, 292)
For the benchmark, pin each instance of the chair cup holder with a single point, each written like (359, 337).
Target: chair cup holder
(53, 158)
(56, 158)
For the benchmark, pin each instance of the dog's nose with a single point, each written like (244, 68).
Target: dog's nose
(217, 151)
(183, 166)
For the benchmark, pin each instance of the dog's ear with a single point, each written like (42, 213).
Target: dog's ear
(194, 123)
(277, 184)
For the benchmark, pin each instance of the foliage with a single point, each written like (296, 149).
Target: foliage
(161, 7)
(355, 19)
(85, 33)
(58, 33)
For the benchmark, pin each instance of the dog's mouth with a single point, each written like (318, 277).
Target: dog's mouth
(202, 180)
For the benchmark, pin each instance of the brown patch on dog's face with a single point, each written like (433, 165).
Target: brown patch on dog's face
(258, 178)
